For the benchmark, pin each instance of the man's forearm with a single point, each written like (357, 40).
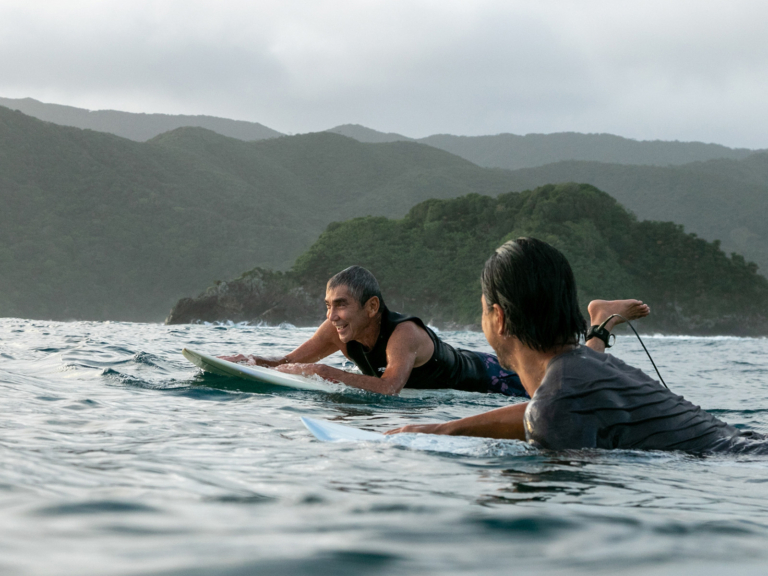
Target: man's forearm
(370, 383)
(504, 423)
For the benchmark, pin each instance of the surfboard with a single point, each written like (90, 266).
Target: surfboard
(255, 373)
(331, 432)
(458, 445)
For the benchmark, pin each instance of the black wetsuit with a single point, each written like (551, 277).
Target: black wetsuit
(448, 367)
(592, 400)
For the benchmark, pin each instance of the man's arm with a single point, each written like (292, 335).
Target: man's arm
(407, 345)
(506, 423)
(324, 342)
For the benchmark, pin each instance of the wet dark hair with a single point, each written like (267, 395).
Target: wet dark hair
(360, 282)
(534, 285)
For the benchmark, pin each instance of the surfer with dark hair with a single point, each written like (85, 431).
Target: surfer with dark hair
(580, 397)
(393, 350)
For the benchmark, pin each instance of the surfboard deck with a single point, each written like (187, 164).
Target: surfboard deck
(326, 431)
(255, 373)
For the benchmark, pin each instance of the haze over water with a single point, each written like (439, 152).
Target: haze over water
(119, 457)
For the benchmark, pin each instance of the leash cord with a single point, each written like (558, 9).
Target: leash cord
(641, 343)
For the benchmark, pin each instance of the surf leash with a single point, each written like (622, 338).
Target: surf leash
(602, 327)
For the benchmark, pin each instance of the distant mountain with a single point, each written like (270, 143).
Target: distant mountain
(369, 136)
(428, 264)
(139, 127)
(513, 152)
(94, 226)
(508, 151)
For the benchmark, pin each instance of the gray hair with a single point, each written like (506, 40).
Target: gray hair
(362, 285)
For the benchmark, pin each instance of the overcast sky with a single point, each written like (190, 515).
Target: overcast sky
(668, 69)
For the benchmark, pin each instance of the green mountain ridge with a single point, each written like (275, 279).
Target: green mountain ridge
(513, 152)
(95, 226)
(507, 151)
(428, 264)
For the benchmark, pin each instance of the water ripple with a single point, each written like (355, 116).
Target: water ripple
(119, 457)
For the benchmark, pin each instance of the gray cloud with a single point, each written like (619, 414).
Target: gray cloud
(671, 70)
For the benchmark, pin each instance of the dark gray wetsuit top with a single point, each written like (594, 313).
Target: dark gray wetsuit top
(592, 400)
(448, 367)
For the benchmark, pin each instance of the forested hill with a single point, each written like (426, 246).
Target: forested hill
(94, 226)
(429, 263)
(717, 192)
(139, 127)
(724, 200)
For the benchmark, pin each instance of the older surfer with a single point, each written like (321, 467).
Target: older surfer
(394, 351)
(581, 398)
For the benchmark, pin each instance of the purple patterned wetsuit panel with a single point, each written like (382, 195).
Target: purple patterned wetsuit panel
(501, 381)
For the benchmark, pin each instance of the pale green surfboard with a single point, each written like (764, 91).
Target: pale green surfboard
(255, 373)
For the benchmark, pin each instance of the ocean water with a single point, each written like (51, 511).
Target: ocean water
(117, 456)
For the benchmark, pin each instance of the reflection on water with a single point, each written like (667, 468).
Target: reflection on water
(118, 457)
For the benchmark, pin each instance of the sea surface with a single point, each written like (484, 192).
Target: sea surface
(117, 456)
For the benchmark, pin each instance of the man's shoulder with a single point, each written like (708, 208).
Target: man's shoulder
(586, 378)
(584, 358)
(410, 330)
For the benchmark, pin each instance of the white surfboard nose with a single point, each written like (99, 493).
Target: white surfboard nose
(331, 432)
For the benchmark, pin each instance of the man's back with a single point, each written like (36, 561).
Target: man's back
(593, 400)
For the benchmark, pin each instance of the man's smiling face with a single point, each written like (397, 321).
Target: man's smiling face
(345, 313)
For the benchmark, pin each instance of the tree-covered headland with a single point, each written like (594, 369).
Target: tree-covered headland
(428, 263)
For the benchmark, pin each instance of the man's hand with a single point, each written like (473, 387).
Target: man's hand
(417, 429)
(237, 358)
(251, 360)
(307, 370)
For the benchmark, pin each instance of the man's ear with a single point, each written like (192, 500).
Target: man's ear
(499, 324)
(372, 306)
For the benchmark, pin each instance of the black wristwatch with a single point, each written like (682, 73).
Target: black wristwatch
(602, 333)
